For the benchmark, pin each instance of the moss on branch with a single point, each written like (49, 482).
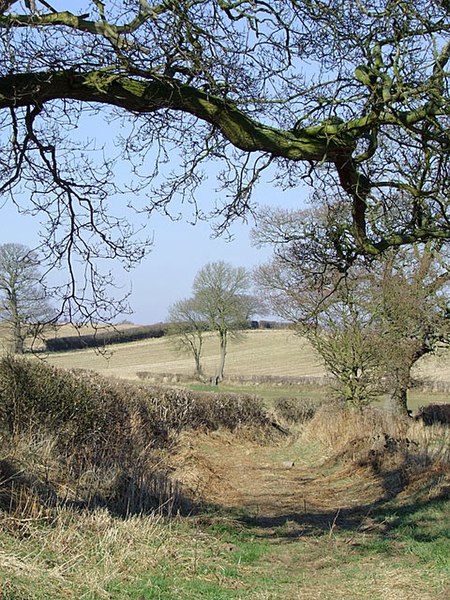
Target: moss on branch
(323, 143)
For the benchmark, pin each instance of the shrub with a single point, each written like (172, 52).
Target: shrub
(296, 410)
(102, 418)
(33, 394)
(230, 411)
(102, 438)
(435, 414)
(87, 407)
(179, 409)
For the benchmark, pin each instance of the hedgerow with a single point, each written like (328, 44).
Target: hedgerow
(103, 438)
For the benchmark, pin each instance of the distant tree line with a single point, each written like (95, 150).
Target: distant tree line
(263, 324)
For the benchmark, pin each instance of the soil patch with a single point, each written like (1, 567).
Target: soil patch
(274, 484)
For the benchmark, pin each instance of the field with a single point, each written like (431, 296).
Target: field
(258, 354)
(341, 505)
(255, 354)
(274, 352)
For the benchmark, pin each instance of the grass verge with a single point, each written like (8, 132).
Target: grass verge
(95, 556)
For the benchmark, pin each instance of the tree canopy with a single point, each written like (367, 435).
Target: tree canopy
(371, 323)
(223, 301)
(343, 95)
(220, 303)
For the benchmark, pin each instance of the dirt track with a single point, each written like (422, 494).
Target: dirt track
(273, 483)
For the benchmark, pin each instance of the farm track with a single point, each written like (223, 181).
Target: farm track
(272, 485)
(315, 515)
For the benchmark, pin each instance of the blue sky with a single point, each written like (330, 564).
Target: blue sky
(178, 252)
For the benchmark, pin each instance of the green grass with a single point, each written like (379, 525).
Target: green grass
(97, 556)
(315, 393)
(177, 561)
(424, 533)
(269, 392)
(416, 398)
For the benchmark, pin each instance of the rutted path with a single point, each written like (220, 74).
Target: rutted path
(271, 482)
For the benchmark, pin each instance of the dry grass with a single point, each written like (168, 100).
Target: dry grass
(335, 428)
(260, 353)
(339, 458)
(85, 555)
(91, 441)
(358, 512)
(320, 528)
(434, 368)
(374, 432)
(341, 526)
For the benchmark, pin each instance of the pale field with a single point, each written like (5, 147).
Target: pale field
(258, 353)
(58, 331)
(434, 367)
(262, 352)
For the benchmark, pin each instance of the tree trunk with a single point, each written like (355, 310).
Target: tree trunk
(402, 379)
(399, 394)
(399, 400)
(198, 365)
(223, 353)
(197, 348)
(18, 337)
(18, 345)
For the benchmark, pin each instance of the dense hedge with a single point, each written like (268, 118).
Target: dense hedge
(434, 414)
(105, 338)
(78, 438)
(85, 409)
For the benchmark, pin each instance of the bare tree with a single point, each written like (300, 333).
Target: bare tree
(345, 337)
(339, 95)
(222, 300)
(187, 326)
(24, 306)
(335, 318)
(370, 323)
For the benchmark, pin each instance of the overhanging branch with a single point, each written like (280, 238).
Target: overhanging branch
(136, 96)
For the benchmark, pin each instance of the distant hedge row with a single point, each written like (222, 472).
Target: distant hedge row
(269, 325)
(105, 338)
(100, 339)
